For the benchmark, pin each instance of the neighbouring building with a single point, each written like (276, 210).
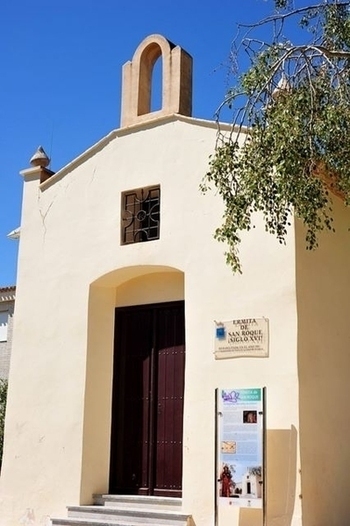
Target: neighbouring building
(113, 371)
(7, 304)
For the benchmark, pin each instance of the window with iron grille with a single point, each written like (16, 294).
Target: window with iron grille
(140, 215)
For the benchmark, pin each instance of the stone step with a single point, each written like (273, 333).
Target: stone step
(91, 522)
(124, 515)
(139, 501)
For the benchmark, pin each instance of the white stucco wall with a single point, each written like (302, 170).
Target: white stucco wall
(323, 284)
(7, 304)
(73, 272)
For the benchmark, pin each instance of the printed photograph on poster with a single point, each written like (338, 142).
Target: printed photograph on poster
(240, 448)
(240, 483)
(250, 417)
(228, 446)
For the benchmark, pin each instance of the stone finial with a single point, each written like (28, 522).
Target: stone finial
(40, 158)
(39, 170)
(137, 81)
(283, 86)
(15, 234)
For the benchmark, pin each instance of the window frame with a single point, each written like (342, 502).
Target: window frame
(140, 215)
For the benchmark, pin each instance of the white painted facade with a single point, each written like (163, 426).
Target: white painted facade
(73, 273)
(7, 304)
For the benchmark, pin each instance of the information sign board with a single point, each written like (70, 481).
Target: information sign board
(240, 447)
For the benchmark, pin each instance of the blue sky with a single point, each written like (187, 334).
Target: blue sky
(61, 76)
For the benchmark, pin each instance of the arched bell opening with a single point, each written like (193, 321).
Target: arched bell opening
(151, 80)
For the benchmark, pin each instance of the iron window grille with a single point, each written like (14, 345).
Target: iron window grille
(140, 215)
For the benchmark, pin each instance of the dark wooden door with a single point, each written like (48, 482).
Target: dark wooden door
(148, 387)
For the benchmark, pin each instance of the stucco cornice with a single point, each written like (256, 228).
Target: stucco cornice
(31, 173)
(127, 130)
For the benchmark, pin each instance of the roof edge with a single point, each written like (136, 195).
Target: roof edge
(8, 289)
(7, 293)
(120, 132)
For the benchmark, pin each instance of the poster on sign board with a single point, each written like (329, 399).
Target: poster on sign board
(240, 447)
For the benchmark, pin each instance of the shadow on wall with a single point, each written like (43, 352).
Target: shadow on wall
(323, 300)
(281, 480)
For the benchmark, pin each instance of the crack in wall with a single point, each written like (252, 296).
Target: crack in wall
(43, 215)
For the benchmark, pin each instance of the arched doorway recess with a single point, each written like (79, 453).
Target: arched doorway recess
(136, 355)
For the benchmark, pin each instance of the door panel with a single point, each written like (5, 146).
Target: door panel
(131, 403)
(148, 385)
(171, 362)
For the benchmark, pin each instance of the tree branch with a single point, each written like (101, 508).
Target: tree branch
(293, 12)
